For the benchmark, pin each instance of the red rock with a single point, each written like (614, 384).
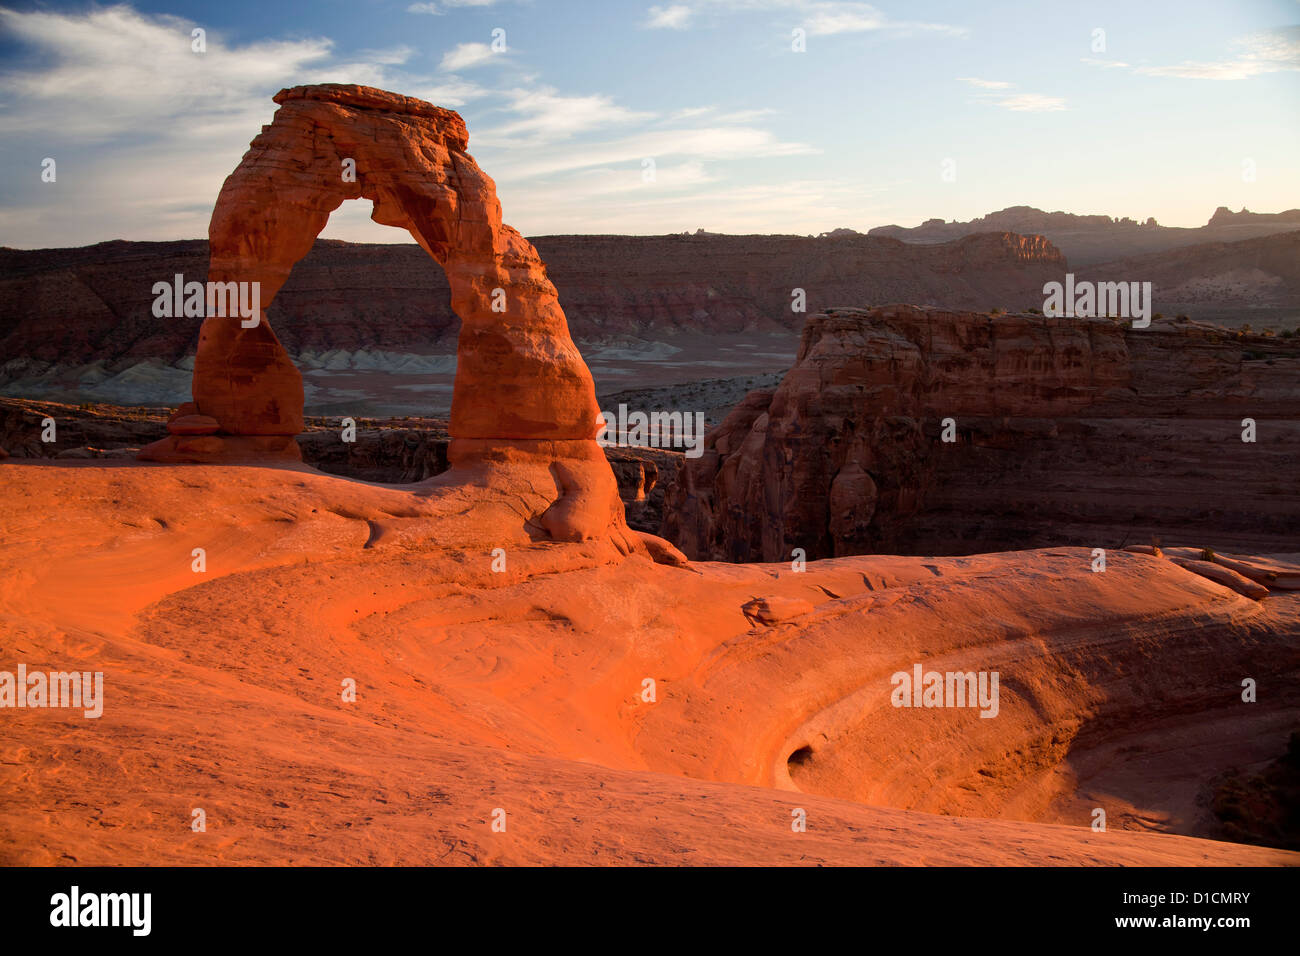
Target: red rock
(519, 374)
(193, 425)
(661, 551)
(774, 610)
(1225, 576)
(1065, 429)
(524, 415)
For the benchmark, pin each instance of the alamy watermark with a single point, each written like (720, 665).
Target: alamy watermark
(75, 908)
(951, 689)
(82, 689)
(1116, 300)
(671, 430)
(196, 300)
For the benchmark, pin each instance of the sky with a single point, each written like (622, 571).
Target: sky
(759, 116)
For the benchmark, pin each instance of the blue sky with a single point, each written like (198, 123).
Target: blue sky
(1187, 106)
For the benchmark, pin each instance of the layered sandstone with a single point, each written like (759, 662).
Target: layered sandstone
(1080, 431)
(77, 325)
(524, 413)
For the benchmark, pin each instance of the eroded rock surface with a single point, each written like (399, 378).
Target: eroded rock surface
(1079, 431)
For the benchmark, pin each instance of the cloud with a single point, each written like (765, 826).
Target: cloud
(802, 206)
(144, 157)
(668, 18)
(817, 17)
(546, 116)
(465, 56)
(1017, 102)
(1032, 103)
(452, 93)
(1104, 64)
(161, 89)
(437, 11)
(710, 143)
(1273, 51)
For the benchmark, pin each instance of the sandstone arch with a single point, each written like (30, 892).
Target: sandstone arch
(523, 397)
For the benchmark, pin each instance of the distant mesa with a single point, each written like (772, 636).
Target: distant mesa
(1223, 216)
(1088, 239)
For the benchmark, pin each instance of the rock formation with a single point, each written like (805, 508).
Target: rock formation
(524, 402)
(1079, 431)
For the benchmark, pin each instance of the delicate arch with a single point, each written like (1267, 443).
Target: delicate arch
(519, 375)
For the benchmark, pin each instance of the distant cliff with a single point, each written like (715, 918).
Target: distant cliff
(77, 324)
(1085, 240)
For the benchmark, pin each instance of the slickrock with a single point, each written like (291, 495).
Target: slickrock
(1249, 575)
(774, 610)
(526, 688)
(524, 413)
(1064, 431)
(1225, 576)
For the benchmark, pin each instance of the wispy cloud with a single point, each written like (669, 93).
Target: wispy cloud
(547, 116)
(438, 9)
(994, 93)
(711, 143)
(464, 56)
(985, 84)
(1104, 64)
(675, 17)
(1031, 103)
(817, 17)
(1272, 51)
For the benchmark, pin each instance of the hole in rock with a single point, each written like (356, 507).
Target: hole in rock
(369, 322)
(798, 759)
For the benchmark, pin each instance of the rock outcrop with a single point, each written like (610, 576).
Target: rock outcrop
(1079, 431)
(524, 408)
(519, 375)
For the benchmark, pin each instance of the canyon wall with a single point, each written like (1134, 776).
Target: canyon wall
(1065, 431)
(77, 325)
